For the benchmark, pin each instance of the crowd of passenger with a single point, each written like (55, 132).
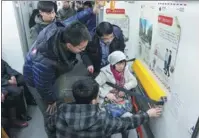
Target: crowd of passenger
(57, 36)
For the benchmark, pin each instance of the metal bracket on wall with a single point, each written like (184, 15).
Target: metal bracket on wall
(196, 130)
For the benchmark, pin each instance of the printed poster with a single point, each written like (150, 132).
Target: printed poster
(165, 47)
(159, 37)
(119, 18)
(146, 23)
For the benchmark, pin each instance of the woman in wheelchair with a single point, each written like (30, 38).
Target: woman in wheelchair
(115, 102)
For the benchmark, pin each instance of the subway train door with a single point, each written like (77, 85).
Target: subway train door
(23, 10)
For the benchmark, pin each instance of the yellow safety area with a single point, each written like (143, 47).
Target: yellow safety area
(148, 82)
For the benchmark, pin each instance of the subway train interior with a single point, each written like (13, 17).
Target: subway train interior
(97, 69)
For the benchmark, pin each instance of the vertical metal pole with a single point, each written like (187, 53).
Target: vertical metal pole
(100, 16)
(20, 25)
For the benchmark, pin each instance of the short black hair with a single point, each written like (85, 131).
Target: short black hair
(88, 3)
(46, 6)
(85, 90)
(104, 28)
(75, 33)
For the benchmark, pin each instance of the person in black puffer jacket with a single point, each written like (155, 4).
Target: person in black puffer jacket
(52, 54)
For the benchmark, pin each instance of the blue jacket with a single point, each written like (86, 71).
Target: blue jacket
(47, 58)
(91, 24)
(86, 17)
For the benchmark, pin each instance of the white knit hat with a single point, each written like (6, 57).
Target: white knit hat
(116, 57)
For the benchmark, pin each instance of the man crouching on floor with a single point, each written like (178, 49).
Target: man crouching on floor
(83, 119)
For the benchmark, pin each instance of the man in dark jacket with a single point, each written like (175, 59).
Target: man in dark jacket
(53, 35)
(46, 15)
(53, 53)
(107, 38)
(66, 11)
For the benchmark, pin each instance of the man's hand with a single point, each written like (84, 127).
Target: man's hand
(90, 69)
(13, 80)
(97, 6)
(111, 97)
(52, 108)
(121, 94)
(154, 112)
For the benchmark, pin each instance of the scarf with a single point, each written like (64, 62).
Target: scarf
(119, 77)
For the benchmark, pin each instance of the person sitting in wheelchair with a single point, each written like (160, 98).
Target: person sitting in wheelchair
(116, 103)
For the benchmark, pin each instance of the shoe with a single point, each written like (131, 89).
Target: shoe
(25, 117)
(19, 124)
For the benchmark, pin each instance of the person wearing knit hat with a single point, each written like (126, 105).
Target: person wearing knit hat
(116, 57)
(116, 103)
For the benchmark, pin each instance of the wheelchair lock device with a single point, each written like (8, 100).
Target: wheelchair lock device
(196, 130)
(131, 93)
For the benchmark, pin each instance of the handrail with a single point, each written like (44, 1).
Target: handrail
(148, 82)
